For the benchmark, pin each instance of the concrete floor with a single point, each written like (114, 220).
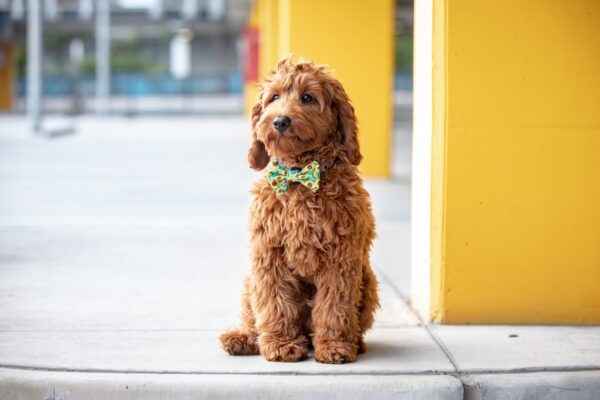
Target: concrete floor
(130, 212)
(122, 254)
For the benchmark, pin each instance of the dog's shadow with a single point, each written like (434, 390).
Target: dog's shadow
(377, 351)
(382, 351)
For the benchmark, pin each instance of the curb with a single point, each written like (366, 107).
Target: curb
(16, 384)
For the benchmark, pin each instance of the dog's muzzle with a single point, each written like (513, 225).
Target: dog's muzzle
(281, 123)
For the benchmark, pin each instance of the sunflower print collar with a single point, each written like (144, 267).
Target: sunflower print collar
(280, 176)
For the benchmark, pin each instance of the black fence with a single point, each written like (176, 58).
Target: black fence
(141, 94)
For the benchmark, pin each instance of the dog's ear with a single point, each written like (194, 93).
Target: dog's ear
(346, 122)
(258, 158)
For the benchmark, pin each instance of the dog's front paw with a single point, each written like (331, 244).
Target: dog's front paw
(334, 351)
(284, 350)
(239, 343)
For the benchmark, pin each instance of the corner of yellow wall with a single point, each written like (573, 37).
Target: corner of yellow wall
(438, 159)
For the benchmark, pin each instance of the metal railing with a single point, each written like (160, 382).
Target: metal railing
(216, 93)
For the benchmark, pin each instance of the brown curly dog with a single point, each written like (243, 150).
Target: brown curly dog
(311, 234)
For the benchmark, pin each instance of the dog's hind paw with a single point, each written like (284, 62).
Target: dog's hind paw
(335, 352)
(239, 343)
(285, 350)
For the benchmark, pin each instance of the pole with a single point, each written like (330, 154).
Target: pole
(189, 9)
(34, 64)
(102, 56)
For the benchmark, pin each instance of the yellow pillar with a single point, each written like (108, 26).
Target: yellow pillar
(515, 161)
(269, 36)
(264, 17)
(355, 38)
(252, 27)
(6, 76)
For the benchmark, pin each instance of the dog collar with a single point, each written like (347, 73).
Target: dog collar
(279, 176)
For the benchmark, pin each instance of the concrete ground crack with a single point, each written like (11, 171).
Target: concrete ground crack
(442, 347)
(422, 323)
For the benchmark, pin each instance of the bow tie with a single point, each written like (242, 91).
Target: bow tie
(279, 176)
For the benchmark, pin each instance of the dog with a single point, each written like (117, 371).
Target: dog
(311, 224)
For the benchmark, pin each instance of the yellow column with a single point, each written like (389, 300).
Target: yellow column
(6, 76)
(250, 87)
(355, 38)
(515, 168)
(269, 36)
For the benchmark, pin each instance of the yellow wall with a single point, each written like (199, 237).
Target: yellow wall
(516, 175)
(355, 38)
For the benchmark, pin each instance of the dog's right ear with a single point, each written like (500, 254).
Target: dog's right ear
(258, 158)
(347, 125)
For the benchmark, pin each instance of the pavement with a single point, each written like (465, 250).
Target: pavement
(122, 252)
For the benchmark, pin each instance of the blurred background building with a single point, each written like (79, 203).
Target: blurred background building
(141, 33)
(148, 39)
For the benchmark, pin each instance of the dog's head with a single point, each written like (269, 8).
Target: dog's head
(300, 109)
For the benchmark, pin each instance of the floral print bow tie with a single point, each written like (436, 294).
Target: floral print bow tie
(280, 176)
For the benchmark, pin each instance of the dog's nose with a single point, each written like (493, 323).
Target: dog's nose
(282, 122)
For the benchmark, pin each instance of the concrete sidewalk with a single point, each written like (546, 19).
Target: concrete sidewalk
(122, 255)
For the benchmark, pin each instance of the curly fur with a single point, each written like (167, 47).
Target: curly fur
(311, 280)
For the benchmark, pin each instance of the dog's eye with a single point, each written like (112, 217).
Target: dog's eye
(275, 97)
(306, 98)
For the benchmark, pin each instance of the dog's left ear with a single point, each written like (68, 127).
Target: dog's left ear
(346, 122)
(258, 158)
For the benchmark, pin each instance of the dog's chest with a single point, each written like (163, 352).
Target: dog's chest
(308, 225)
